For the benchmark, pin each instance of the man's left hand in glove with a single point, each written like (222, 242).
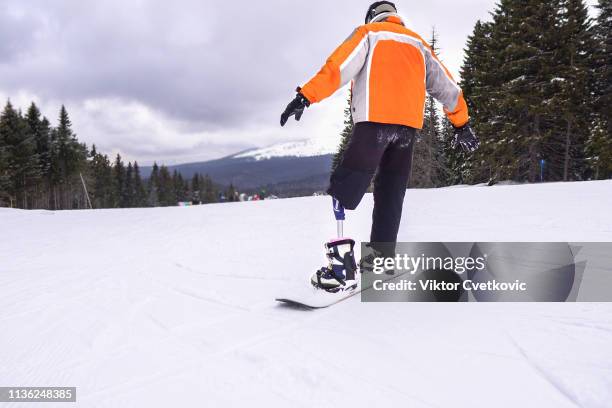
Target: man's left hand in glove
(296, 107)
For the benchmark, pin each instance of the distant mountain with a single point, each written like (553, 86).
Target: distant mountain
(293, 168)
(302, 148)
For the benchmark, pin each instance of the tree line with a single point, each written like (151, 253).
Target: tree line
(46, 167)
(537, 81)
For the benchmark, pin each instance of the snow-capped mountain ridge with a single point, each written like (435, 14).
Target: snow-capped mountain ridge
(301, 165)
(300, 148)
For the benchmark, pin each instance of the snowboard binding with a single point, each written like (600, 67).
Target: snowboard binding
(341, 272)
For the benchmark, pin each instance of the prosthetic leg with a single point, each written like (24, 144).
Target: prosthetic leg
(341, 272)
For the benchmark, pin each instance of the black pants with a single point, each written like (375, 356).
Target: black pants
(383, 151)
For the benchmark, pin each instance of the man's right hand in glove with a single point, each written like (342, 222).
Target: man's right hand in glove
(296, 107)
(464, 136)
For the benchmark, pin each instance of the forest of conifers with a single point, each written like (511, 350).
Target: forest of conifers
(45, 167)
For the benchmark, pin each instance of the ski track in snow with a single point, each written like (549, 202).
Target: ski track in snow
(174, 307)
(546, 375)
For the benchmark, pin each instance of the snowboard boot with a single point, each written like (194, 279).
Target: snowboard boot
(373, 251)
(341, 273)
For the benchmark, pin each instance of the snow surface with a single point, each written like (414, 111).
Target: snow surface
(302, 148)
(173, 307)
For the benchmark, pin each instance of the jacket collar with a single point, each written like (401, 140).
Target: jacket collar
(388, 17)
(395, 19)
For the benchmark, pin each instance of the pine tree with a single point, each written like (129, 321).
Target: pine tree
(345, 136)
(55, 170)
(571, 90)
(167, 196)
(231, 193)
(599, 144)
(493, 80)
(119, 191)
(5, 198)
(153, 186)
(44, 158)
(76, 152)
(23, 169)
(38, 129)
(526, 80)
(43, 146)
(210, 191)
(179, 186)
(603, 63)
(428, 163)
(140, 194)
(476, 74)
(6, 132)
(527, 36)
(68, 159)
(195, 188)
(129, 186)
(102, 174)
(60, 146)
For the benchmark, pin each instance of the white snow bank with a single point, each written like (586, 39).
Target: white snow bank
(173, 307)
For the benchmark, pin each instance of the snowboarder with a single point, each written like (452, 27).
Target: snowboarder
(391, 69)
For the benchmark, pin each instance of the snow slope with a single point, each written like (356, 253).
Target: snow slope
(302, 148)
(172, 307)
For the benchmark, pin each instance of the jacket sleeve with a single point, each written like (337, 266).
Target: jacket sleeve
(345, 62)
(441, 85)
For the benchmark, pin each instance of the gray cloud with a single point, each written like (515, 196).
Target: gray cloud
(201, 61)
(214, 74)
(17, 32)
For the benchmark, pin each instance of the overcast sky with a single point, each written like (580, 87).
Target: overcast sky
(184, 80)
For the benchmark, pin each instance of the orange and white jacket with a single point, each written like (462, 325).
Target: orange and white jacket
(391, 69)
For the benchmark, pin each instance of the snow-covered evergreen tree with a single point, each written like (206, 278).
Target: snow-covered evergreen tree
(21, 158)
(476, 78)
(129, 186)
(564, 148)
(140, 194)
(428, 160)
(153, 186)
(599, 144)
(526, 80)
(101, 173)
(119, 192)
(345, 136)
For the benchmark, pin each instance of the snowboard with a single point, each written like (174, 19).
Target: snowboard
(312, 298)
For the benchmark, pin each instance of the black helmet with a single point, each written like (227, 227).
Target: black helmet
(378, 8)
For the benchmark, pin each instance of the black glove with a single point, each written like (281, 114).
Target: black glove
(295, 107)
(464, 136)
